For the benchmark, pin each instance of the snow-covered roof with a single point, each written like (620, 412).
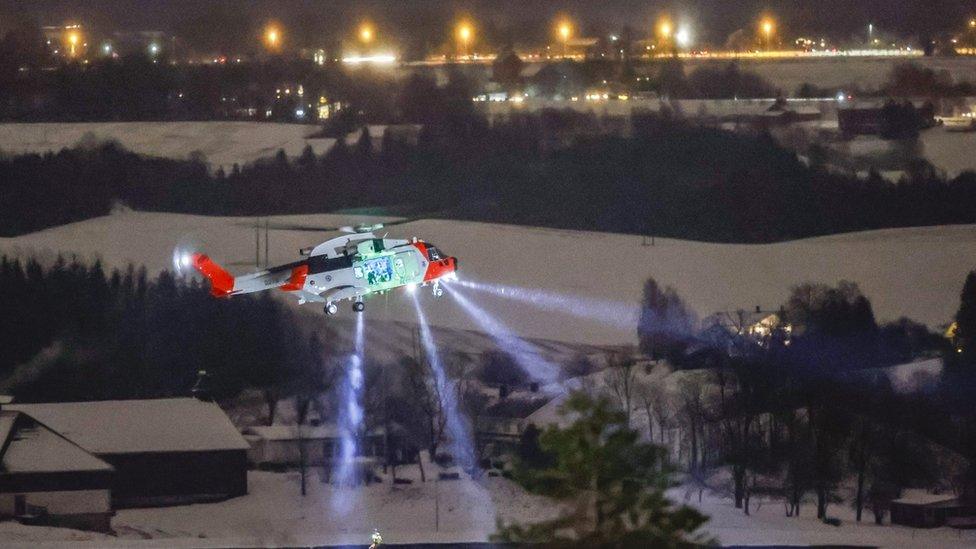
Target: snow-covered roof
(31, 447)
(135, 426)
(516, 408)
(920, 497)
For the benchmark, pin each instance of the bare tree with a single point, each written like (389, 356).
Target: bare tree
(622, 380)
(653, 398)
(736, 413)
(693, 412)
(428, 393)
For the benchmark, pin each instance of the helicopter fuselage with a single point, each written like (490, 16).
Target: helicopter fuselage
(348, 267)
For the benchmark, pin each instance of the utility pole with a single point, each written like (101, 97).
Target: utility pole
(257, 243)
(437, 504)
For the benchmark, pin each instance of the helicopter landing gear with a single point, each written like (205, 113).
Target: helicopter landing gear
(331, 309)
(358, 306)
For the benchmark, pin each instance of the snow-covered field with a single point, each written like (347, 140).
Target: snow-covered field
(275, 514)
(595, 279)
(221, 143)
(953, 152)
(863, 72)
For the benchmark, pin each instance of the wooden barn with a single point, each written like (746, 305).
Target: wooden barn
(47, 479)
(164, 451)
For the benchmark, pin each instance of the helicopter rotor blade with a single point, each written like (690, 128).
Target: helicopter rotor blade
(352, 229)
(295, 227)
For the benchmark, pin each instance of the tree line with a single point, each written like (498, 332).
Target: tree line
(807, 414)
(667, 179)
(74, 332)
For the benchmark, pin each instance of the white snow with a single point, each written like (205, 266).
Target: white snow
(921, 497)
(222, 143)
(952, 152)
(911, 377)
(768, 525)
(915, 272)
(35, 448)
(275, 514)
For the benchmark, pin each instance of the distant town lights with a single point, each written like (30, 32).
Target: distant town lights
(379, 59)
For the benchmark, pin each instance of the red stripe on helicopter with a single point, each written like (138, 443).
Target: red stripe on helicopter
(297, 279)
(436, 269)
(221, 282)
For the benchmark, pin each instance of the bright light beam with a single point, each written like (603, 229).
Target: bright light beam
(617, 314)
(350, 422)
(460, 441)
(526, 355)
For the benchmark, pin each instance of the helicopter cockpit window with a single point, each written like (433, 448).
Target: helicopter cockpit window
(433, 253)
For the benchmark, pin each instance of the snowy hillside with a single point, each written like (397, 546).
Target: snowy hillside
(916, 272)
(222, 143)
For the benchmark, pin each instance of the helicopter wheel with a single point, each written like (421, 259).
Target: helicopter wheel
(331, 309)
(358, 306)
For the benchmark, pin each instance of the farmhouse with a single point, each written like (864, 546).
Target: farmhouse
(47, 479)
(164, 451)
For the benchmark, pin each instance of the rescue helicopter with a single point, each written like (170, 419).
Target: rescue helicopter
(349, 267)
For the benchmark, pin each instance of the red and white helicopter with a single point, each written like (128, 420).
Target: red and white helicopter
(346, 267)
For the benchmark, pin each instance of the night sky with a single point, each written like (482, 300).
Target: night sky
(228, 24)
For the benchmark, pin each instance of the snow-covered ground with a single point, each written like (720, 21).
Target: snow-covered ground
(768, 525)
(594, 279)
(275, 514)
(863, 72)
(221, 143)
(952, 152)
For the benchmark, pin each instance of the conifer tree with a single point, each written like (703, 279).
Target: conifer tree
(614, 483)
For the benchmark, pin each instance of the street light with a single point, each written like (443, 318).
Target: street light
(565, 31)
(665, 30)
(683, 37)
(366, 33)
(465, 33)
(73, 39)
(767, 28)
(272, 37)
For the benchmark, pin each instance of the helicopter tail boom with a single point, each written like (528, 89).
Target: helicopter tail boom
(221, 282)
